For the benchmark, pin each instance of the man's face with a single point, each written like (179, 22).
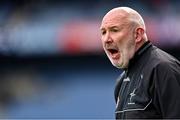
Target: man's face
(118, 39)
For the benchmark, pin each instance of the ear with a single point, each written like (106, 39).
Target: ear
(139, 32)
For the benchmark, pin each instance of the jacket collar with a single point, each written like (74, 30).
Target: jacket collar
(139, 53)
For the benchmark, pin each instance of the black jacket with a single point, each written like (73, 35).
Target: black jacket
(150, 87)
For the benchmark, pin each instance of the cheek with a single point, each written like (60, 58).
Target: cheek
(103, 45)
(124, 40)
(120, 37)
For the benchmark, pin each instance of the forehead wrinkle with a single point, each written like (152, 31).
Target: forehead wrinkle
(114, 20)
(116, 17)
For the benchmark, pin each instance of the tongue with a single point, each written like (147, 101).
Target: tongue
(115, 55)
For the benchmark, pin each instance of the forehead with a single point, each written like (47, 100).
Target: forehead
(113, 19)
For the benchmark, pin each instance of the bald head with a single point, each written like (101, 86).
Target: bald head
(128, 14)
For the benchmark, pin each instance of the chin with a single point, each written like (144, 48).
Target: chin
(121, 66)
(117, 66)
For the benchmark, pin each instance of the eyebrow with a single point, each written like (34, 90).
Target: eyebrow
(109, 27)
(113, 27)
(101, 28)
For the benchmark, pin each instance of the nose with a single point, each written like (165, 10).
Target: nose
(108, 38)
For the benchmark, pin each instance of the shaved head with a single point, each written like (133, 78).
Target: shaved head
(128, 14)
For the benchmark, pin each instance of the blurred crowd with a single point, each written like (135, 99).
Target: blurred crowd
(58, 27)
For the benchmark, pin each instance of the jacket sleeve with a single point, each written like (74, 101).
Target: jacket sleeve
(167, 89)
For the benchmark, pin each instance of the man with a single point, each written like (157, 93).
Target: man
(149, 85)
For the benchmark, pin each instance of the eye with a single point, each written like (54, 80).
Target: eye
(114, 30)
(103, 32)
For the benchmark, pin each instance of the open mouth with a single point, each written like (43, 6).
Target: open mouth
(113, 51)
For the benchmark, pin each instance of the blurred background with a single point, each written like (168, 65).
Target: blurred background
(52, 64)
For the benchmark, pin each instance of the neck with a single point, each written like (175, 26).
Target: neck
(140, 44)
